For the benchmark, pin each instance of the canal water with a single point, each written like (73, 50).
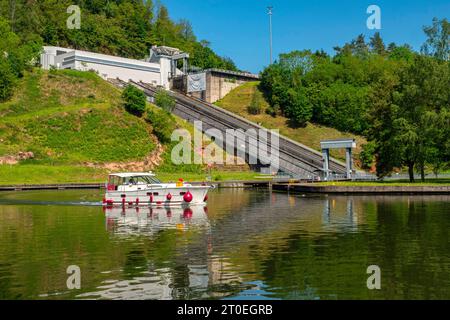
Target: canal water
(246, 244)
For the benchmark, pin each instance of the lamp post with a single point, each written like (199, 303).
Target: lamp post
(269, 12)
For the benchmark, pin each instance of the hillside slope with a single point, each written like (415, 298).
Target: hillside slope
(69, 126)
(240, 98)
(70, 117)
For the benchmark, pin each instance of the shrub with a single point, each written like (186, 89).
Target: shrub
(163, 124)
(7, 81)
(255, 106)
(134, 100)
(164, 100)
(273, 111)
(299, 110)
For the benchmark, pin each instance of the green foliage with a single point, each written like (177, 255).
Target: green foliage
(377, 44)
(7, 80)
(341, 106)
(16, 56)
(164, 100)
(409, 122)
(55, 118)
(134, 100)
(163, 124)
(396, 97)
(367, 155)
(255, 106)
(125, 28)
(438, 39)
(299, 110)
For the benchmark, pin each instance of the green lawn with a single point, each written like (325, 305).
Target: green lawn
(428, 182)
(47, 174)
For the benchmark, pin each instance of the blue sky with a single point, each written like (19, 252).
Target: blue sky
(239, 28)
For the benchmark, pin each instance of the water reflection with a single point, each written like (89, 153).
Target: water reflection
(245, 244)
(146, 220)
(346, 219)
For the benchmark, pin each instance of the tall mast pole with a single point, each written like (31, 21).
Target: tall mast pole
(269, 12)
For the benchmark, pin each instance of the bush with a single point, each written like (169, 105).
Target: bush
(134, 100)
(299, 110)
(163, 124)
(255, 106)
(273, 111)
(7, 81)
(164, 100)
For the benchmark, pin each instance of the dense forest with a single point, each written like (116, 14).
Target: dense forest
(126, 28)
(399, 99)
(119, 27)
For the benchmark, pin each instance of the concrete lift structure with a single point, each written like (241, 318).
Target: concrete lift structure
(348, 144)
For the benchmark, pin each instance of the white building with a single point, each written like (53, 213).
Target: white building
(157, 70)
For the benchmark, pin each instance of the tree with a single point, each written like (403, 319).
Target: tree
(381, 131)
(125, 28)
(16, 56)
(357, 47)
(164, 100)
(423, 96)
(377, 45)
(134, 100)
(360, 46)
(299, 110)
(367, 155)
(438, 39)
(410, 117)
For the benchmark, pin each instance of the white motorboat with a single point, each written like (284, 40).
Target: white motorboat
(144, 189)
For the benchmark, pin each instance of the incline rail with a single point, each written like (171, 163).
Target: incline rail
(295, 158)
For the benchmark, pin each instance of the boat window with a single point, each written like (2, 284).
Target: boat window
(141, 180)
(113, 182)
(147, 180)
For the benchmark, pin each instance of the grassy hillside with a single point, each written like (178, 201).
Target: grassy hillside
(70, 117)
(240, 98)
(69, 126)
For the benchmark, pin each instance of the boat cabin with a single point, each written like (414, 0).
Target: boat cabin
(132, 181)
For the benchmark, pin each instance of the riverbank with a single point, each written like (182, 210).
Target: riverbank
(438, 186)
(27, 177)
(441, 186)
(261, 183)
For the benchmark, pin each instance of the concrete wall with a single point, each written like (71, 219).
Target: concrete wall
(107, 66)
(219, 85)
(165, 70)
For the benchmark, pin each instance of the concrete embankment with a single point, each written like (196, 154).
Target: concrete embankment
(63, 186)
(277, 185)
(381, 189)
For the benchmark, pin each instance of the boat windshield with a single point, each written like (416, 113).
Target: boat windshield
(141, 180)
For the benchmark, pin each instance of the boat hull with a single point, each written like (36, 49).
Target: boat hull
(165, 196)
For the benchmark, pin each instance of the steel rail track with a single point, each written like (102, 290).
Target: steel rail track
(295, 158)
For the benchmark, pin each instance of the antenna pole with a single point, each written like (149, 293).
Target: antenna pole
(269, 12)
